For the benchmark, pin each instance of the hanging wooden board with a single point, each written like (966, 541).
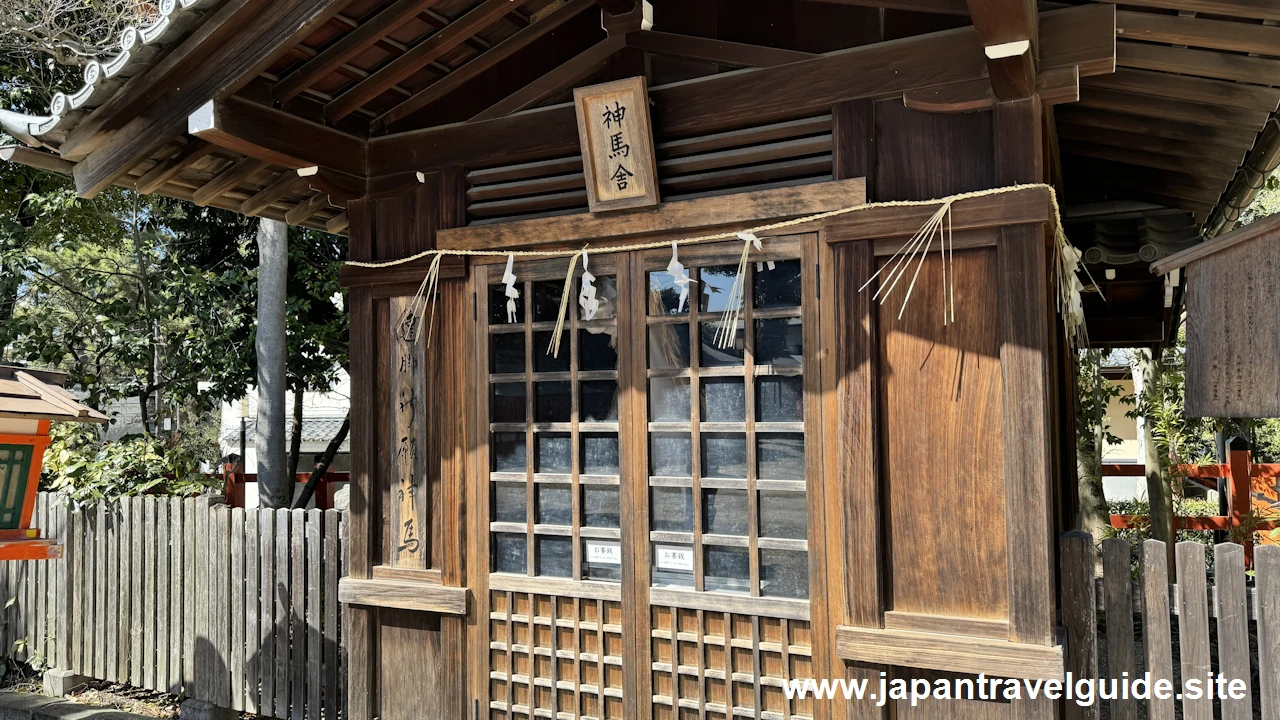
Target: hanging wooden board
(1233, 322)
(617, 145)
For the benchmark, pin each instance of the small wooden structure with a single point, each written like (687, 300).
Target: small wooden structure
(653, 523)
(1233, 321)
(29, 401)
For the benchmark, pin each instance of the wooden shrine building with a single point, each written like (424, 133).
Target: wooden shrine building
(776, 477)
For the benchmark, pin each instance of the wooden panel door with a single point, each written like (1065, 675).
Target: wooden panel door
(650, 488)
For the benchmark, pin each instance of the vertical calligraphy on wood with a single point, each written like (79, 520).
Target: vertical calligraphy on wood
(410, 485)
(617, 145)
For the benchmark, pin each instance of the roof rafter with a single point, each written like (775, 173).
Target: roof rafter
(558, 80)
(188, 155)
(417, 56)
(940, 7)
(1199, 32)
(227, 180)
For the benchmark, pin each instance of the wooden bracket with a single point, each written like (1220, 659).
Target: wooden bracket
(424, 597)
(638, 17)
(340, 186)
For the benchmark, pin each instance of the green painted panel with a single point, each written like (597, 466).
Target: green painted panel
(15, 464)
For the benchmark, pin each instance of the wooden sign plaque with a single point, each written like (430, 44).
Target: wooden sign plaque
(617, 145)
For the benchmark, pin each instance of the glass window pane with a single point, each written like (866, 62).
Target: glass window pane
(784, 573)
(724, 400)
(780, 399)
(715, 285)
(712, 355)
(606, 293)
(672, 565)
(601, 560)
(728, 569)
(510, 503)
(670, 455)
(668, 347)
(664, 295)
(555, 504)
(509, 553)
(546, 300)
(724, 512)
(554, 453)
(498, 305)
(543, 360)
(555, 556)
(598, 349)
(784, 515)
(600, 506)
(506, 352)
(779, 287)
(672, 509)
(508, 403)
(779, 341)
(669, 400)
(780, 456)
(508, 452)
(600, 401)
(724, 455)
(552, 402)
(599, 454)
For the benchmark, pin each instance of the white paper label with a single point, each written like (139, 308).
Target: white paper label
(673, 557)
(604, 553)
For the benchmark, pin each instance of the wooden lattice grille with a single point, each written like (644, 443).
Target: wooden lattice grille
(719, 665)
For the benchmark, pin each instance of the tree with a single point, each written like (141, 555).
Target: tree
(275, 486)
(1093, 433)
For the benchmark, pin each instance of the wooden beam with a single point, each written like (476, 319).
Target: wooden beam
(348, 46)
(617, 7)
(1222, 242)
(940, 7)
(562, 78)
(1146, 142)
(955, 653)
(424, 52)
(307, 209)
(1219, 171)
(1257, 9)
(1198, 32)
(483, 62)
(1009, 31)
(1171, 129)
(275, 136)
(227, 180)
(1057, 86)
(1201, 63)
(1079, 36)
(1202, 90)
(423, 597)
(720, 52)
(1212, 115)
(1028, 206)
(40, 159)
(723, 211)
(166, 170)
(337, 224)
(286, 184)
(245, 46)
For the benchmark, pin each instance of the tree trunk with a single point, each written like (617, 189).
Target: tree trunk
(275, 486)
(143, 398)
(1090, 443)
(295, 437)
(322, 467)
(1159, 490)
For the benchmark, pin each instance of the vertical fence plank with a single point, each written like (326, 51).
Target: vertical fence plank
(344, 527)
(136, 592)
(191, 575)
(1155, 623)
(6, 591)
(1118, 597)
(1193, 625)
(149, 592)
(297, 615)
(163, 588)
(13, 610)
(236, 587)
(219, 603)
(177, 582)
(1079, 614)
(1266, 561)
(282, 623)
(267, 610)
(124, 590)
(114, 580)
(63, 628)
(1233, 625)
(330, 594)
(101, 568)
(203, 649)
(41, 513)
(252, 636)
(315, 632)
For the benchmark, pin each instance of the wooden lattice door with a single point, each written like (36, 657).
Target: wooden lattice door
(649, 490)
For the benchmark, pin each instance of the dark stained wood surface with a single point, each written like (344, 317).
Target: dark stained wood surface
(276, 137)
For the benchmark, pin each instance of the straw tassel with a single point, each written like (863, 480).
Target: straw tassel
(554, 348)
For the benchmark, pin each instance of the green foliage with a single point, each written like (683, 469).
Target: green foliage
(86, 470)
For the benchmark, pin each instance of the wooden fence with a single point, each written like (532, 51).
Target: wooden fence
(1176, 630)
(236, 607)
